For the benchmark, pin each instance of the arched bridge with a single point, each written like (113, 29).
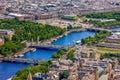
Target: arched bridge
(48, 46)
(97, 29)
(22, 60)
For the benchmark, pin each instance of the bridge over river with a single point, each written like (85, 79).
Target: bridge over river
(22, 60)
(100, 29)
(97, 29)
(48, 46)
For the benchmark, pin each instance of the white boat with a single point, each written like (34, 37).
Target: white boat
(78, 42)
(21, 55)
(33, 50)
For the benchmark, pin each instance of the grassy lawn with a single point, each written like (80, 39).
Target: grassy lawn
(107, 50)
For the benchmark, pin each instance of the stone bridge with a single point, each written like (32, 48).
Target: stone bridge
(48, 46)
(22, 60)
(97, 29)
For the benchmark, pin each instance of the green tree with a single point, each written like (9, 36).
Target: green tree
(64, 75)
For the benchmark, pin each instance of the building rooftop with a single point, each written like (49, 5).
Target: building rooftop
(16, 14)
(5, 31)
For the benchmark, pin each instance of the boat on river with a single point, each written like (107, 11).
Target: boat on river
(21, 55)
(33, 50)
(78, 42)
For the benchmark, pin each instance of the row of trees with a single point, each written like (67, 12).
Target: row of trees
(98, 23)
(109, 55)
(106, 15)
(73, 27)
(96, 38)
(59, 54)
(22, 74)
